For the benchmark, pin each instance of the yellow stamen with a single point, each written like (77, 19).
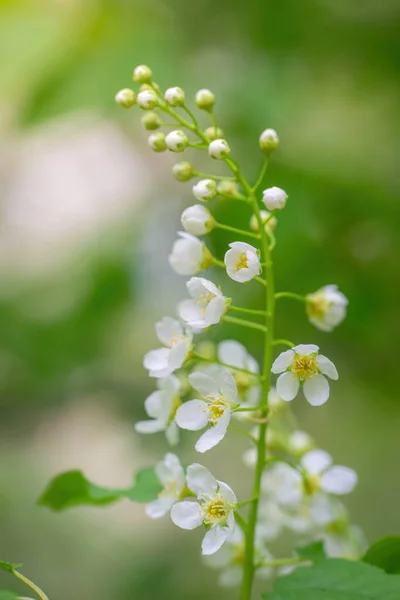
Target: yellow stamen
(304, 366)
(242, 262)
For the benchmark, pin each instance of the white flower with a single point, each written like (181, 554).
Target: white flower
(350, 544)
(321, 475)
(268, 140)
(205, 189)
(234, 354)
(218, 149)
(271, 520)
(176, 141)
(274, 198)
(242, 262)
(147, 99)
(214, 508)
(206, 306)
(218, 395)
(303, 365)
(175, 96)
(284, 484)
(326, 307)
(161, 406)
(177, 342)
(269, 222)
(197, 220)
(300, 442)
(172, 477)
(189, 255)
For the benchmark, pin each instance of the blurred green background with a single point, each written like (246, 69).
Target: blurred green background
(88, 215)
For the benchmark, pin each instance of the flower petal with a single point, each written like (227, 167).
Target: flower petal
(200, 480)
(233, 353)
(227, 492)
(215, 310)
(283, 362)
(192, 415)
(189, 311)
(187, 515)
(215, 434)
(177, 355)
(203, 383)
(305, 349)
(151, 426)
(160, 507)
(316, 461)
(154, 404)
(316, 390)
(327, 367)
(339, 480)
(167, 329)
(287, 386)
(228, 386)
(156, 359)
(214, 539)
(172, 434)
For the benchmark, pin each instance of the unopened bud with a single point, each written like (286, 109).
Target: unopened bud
(205, 190)
(176, 141)
(269, 222)
(147, 99)
(213, 133)
(269, 140)
(175, 96)
(125, 98)
(205, 99)
(183, 171)
(157, 141)
(151, 121)
(218, 149)
(228, 188)
(142, 74)
(274, 198)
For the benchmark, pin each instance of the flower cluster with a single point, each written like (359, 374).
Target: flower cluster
(298, 485)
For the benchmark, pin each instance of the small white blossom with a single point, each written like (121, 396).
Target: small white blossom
(176, 141)
(336, 480)
(214, 508)
(269, 221)
(189, 255)
(147, 99)
(164, 361)
(206, 306)
(303, 365)
(242, 262)
(300, 442)
(326, 307)
(172, 477)
(197, 220)
(161, 406)
(205, 99)
(274, 198)
(205, 190)
(219, 395)
(350, 544)
(269, 140)
(235, 354)
(175, 96)
(218, 149)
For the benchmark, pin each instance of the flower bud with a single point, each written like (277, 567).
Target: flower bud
(227, 188)
(205, 189)
(142, 74)
(151, 121)
(125, 98)
(269, 222)
(175, 96)
(205, 99)
(157, 141)
(274, 198)
(269, 140)
(176, 141)
(218, 149)
(197, 220)
(183, 171)
(147, 99)
(213, 133)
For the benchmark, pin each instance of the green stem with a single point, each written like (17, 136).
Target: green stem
(30, 584)
(247, 409)
(245, 502)
(236, 230)
(243, 432)
(244, 323)
(261, 176)
(219, 263)
(250, 311)
(281, 562)
(240, 521)
(261, 280)
(290, 295)
(223, 364)
(216, 177)
(283, 343)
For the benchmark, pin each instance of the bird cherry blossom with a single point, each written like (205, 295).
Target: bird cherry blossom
(218, 149)
(219, 395)
(270, 222)
(189, 255)
(177, 341)
(197, 220)
(161, 406)
(171, 475)
(206, 306)
(214, 508)
(205, 190)
(302, 365)
(326, 307)
(233, 353)
(274, 198)
(242, 262)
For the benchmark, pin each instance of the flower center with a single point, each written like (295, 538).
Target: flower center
(176, 338)
(242, 262)
(216, 406)
(216, 510)
(317, 306)
(204, 300)
(304, 366)
(176, 402)
(242, 382)
(312, 484)
(169, 489)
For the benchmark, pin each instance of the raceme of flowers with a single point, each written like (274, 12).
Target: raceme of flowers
(207, 390)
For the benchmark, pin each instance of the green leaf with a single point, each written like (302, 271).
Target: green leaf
(336, 579)
(385, 554)
(314, 551)
(73, 489)
(9, 567)
(7, 595)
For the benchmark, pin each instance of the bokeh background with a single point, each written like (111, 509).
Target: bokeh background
(88, 215)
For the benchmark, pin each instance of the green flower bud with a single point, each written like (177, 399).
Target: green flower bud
(213, 133)
(151, 121)
(125, 98)
(228, 188)
(205, 99)
(175, 96)
(157, 141)
(142, 74)
(147, 99)
(177, 141)
(183, 171)
(269, 140)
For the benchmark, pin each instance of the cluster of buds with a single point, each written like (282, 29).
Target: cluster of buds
(300, 487)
